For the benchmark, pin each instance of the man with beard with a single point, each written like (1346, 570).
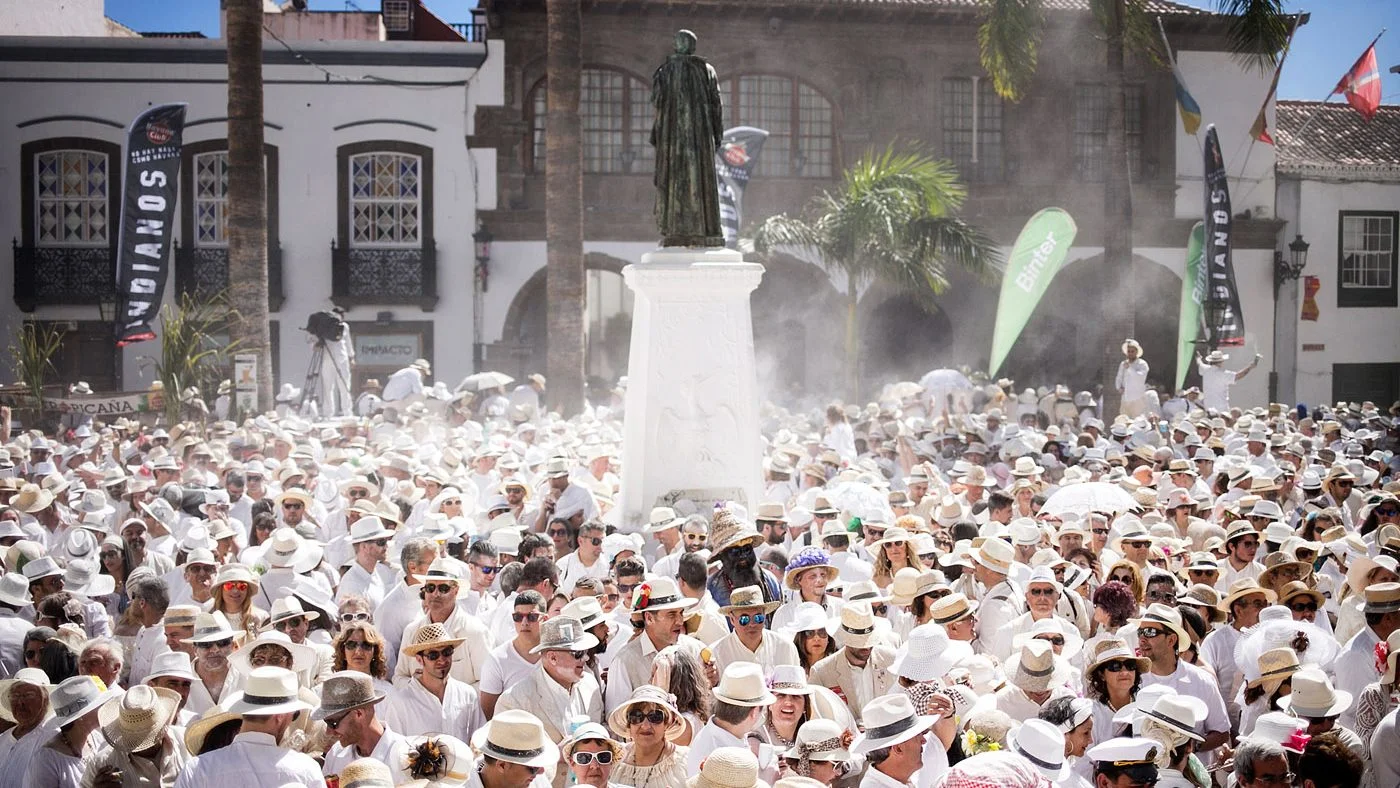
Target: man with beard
(662, 608)
(693, 534)
(134, 536)
(733, 542)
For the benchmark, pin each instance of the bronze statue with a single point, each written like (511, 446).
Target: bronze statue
(686, 134)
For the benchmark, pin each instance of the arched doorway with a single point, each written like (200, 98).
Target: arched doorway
(1063, 341)
(901, 340)
(524, 345)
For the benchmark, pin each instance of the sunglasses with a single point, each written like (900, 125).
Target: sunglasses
(655, 717)
(32, 653)
(1101, 531)
(1122, 578)
(236, 585)
(439, 588)
(879, 610)
(627, 588)
(350, 618)
(437, 654)
(595, 541)
(518, 617)
(1139, 544)
(1161, 596)
(335, 723)
(379, 542)
(1303, 607)
(1388, 511)
(746, 619)
(358, 645)
(487, 569)
(287, 623)
(1119, 665)
(557, 531)
(1054, 640)
(584, 758)
(1148, 633)
(1248, 543)
(453, 502)
(213, 644)
(1043, 592)
(355, 495)
(292, 505)
(579, 655)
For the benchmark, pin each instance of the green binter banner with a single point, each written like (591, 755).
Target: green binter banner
(1039, 253)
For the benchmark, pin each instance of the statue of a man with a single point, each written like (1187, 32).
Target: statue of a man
(686, 134)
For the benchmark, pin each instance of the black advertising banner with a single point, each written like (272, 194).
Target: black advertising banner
(150, 184)
(1222, 308)
(734, 163)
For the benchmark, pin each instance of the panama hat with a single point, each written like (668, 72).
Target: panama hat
(138, 719)
(1297, 588)
(728, 767)
(648, 694)
(32, 676)
(1035, 667)
(748, 598)
(743, 685)
(1241, 588)
(890, 720)
(1281, 729)
(587, 610)
(1380, 598)
(286, 549)
(564, 633)
(32, 498)
(1159, 616)
(369, 773)
(1053, 626)
(368, 529)
(820, 740)
(893, 535)
(200, 728)
(590, 731)
(345, 690)
(1203, 596)
(994, 554)
(951, 608)
(660, 593)
(286, 608)
(303, 656)
(809, 617)
(809, 558)
(1043, 744)
(1275, 665)
(171, 664)
(516, 736)
(928, 654)
(269, 690)
(910, 583)
(42, 567)
(662, 518)
(212, 627)
(14, 589)
(77, 696)
(1313, 695)
(82, 577)
(1181, 713)
(858, 625)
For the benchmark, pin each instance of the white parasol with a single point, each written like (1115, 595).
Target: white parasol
(861, 500)
(481, 381)
(1081, 499)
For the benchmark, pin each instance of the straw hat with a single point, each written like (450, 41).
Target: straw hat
(1380, 597)
(32, 676)
(32, 498)
(1202, 595)
(728, 767)
(1297, 588)
(211, 627)
(1043, 745)
(648, 693)
(366, 773)
(727, 531)
(1036, 667)
(748, 598)
(1275, 665)
(303, 656)
(743, 685)
(1241, 588)
(994, 554)
(516, 736)
(1313, 695)
(893, 535)
(662, 518)
(1393, 653)
(269, 690)
(77, 696)
(858, 625)
(138, 719)
(951, 608)
(428, 637)
(889, 720)
(345, 690)
(171, 664)
(200, 728)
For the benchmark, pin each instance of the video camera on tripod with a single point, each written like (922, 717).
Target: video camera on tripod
(325, 326)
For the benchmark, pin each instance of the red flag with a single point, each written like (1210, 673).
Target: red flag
(1362, 84)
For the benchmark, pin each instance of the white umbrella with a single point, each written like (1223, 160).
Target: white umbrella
(1088, 497)
(482, 381)
(945, 379)
(861, 500)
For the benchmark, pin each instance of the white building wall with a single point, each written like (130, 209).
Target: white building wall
(53, 18)
(307, 107)
(1229, 97)
(1350, 335)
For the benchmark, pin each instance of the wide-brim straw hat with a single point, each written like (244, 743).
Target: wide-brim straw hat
(1297, 588)
(748, 598)
(889, 720)
(1382, 598)
(346, 690)
(32, 676)
(1242, 588)
(1275, 665)
(212, 627)
(644, 694)
(1113, 649)
(428, 637)
(994, 554)
(516, 736)
(200, 728)
(743, 684)
(303, 656)
(728, 767)
(1313, 696)
(138, 719)
(1036, 667)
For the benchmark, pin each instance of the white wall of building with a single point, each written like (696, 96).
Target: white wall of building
(53, 18)
(304, 108)
(1350, 335)
(1229, 97)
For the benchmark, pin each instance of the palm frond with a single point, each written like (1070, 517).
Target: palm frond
(1008, 41)
(949, 240)
(1259, 29)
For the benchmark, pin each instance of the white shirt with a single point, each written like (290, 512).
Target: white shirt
(1215, 386)
(874, 778)
(150, 642)
(412, 710)
(572, 569)
(391, 751)
(504, 669)
(403, 384)
(1355, 668)
(470, 657)
(1132, 379)
(1218, 651)
(252, 759)
(773, 650)
(400, 606)
(712, 737)
(358, 582)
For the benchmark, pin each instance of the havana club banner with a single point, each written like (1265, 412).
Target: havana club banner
(1039, 253)
(148, 211)
(1226, 321)
(1193, 297)
(734, 163)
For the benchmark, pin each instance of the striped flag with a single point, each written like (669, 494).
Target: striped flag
(1185, 103)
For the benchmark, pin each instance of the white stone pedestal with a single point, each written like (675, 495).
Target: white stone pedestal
(691, 423)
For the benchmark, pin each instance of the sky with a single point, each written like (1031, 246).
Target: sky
(1323, 50)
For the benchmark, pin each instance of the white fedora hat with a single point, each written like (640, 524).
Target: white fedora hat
(171, 664)
(303, 656)
(77, 696)
(368, 529)
(14, 589)
(928, 654)
(1313, 696)
(516, 736)
(743, 685)
(1043, 745)
(889, 720)
(269, 690)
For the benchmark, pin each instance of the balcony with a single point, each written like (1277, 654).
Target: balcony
(473, 31)
(202, 272)
(385, 276)
(62, 276)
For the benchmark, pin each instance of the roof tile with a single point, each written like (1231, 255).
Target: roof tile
(1337, 142)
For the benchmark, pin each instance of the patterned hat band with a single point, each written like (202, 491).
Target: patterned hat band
(666, 600)
(493, 748)
(787, 685)
(268, 700)
(861, 631)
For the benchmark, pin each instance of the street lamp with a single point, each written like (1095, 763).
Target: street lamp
(107, 305)
(481, 240)
(1286, 269)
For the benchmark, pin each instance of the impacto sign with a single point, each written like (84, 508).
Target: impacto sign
(387, 350)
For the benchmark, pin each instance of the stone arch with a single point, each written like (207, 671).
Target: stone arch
(901, 339)
(524, 344)
(1069, 329)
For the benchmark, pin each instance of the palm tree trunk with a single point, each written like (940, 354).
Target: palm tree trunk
(852, 341)
(563, 183)
(247, 197)
(1119, 296)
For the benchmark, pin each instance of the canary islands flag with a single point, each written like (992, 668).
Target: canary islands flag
(1185, 104)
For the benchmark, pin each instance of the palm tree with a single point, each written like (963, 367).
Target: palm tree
(563, 224)
(247, 197)
(1009, 39)
(891, 221)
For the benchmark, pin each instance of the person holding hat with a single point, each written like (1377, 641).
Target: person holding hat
(433, 700)
(348, 700)
(59, 761)
(368, 576)
(892, 742)
(560, 690)
(750, 640)
(439, 591)
(662, 608)
(268, 706)
(1162, 638)
(144, 749)
(740, 698)
(515, 753)
(860, 670)
(650, 724)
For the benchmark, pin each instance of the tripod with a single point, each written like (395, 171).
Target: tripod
(311, 392)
